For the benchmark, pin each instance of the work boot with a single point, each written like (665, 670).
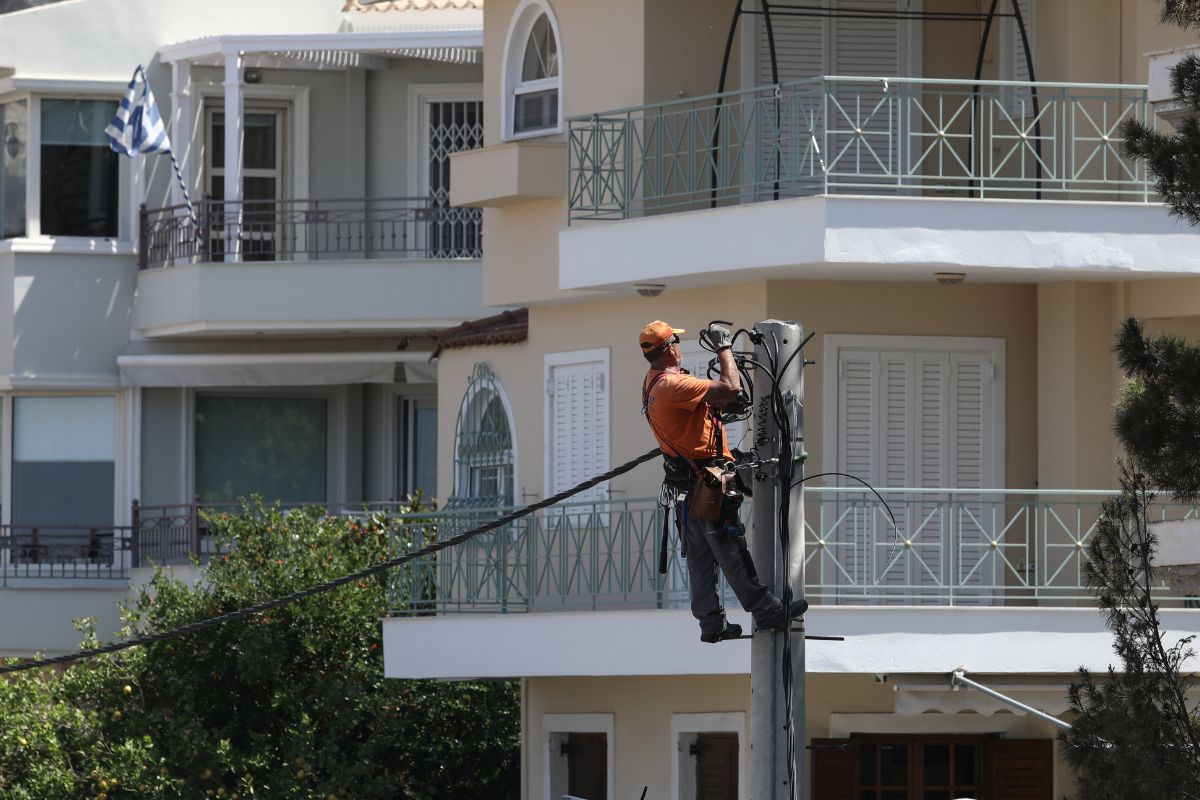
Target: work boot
(782, 622)
(732, 631)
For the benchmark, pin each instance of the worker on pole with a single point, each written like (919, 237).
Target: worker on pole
(684, 414)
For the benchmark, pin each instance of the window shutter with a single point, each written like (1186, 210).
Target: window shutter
(858, 399)
(799, 48)
(1020, 68)
(716, 766)
(833, 769)
(1021, 769)
(578, 427)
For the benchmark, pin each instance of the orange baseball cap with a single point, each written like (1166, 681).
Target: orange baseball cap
(656, 333)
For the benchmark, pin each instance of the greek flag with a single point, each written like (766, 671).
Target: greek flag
(138, 127)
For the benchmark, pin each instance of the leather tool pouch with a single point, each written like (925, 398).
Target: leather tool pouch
(708, 494)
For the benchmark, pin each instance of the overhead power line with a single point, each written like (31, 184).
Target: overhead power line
(319, 588)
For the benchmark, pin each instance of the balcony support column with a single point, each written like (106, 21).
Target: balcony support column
(233, 156)
(182, 127)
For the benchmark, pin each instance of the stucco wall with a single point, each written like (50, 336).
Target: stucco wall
(1005, 311)
(642, 710)
(613, 323)
(71, 315)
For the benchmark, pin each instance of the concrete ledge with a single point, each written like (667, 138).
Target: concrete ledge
(506, 174)
(879, 640)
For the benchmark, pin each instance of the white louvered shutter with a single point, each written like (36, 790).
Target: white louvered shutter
(920, 419)
(799, 48)
(869, 47)
(858, 455)
(579, 427)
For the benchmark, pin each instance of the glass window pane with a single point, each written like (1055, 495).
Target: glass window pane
(14, 132)
(80, 173)
(63, 460)
(936, 761)
(258, 141)
(966, 765)
(893, 760)
(535, 111)
(217, 141)
(541, 52)
(425, 456)
(271, 446)
(866, 765)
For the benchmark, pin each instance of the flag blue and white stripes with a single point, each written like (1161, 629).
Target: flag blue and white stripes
(138, 128)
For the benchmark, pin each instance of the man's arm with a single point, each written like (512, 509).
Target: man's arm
(726, 387)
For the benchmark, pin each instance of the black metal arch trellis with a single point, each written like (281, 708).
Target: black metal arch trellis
(770, 9)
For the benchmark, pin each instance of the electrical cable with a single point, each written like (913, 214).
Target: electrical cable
(383, 566)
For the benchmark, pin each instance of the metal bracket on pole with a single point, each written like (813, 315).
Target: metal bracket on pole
(769, 753)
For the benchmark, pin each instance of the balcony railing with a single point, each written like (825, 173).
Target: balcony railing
(948, 547)
(850, 135)
(63, 551)
(175, 534)
(308, 230)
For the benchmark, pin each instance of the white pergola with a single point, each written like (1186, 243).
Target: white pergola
(336, 51)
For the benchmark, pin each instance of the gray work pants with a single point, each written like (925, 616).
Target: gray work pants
(706, 549)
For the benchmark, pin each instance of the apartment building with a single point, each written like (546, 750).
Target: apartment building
(952, 217)
(276, 344)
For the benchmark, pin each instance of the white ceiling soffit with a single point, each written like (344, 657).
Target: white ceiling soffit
(260, 369)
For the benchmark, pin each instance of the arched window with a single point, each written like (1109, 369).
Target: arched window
(532, 73)
(483, 446)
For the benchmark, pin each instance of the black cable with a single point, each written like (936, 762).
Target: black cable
(320, 588)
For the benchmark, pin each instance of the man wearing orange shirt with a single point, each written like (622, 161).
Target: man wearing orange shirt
(683, 414)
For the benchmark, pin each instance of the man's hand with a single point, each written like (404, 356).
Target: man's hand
(719, 336)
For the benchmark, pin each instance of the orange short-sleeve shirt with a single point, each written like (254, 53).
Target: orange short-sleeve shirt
(679, 417)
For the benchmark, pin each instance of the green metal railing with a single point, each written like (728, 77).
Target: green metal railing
(857, 135)
(948, 547)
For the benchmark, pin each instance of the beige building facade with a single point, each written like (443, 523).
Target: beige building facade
(963, 252)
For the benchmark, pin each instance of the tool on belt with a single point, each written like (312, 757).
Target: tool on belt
(706, 489)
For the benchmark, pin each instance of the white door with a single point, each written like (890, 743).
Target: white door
(262, 180)
(864, 123)
(915, 415)
(577, 422)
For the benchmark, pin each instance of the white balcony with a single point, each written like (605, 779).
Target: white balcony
(292, 267)
(867, 179)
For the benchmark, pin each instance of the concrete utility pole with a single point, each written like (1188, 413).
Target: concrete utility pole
(769, 753)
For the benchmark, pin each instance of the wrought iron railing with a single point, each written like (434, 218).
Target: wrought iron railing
(857, 135)
(178, 533)
(948, 547)
(63, 551)
(308, 230)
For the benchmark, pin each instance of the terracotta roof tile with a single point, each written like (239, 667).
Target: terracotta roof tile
(412, 5)
(508, 327)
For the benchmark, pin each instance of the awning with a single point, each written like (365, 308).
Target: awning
(962, 694)
(267, 369)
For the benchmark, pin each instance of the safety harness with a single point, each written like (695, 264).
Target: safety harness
(681, 473)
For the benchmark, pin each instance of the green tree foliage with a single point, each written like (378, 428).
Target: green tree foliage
(1173, 159)
(288, 704)
(1136, 735)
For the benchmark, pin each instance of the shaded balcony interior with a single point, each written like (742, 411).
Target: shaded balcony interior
(874, 98)
(266, 177)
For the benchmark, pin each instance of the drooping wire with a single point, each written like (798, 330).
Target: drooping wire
(383, 566)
